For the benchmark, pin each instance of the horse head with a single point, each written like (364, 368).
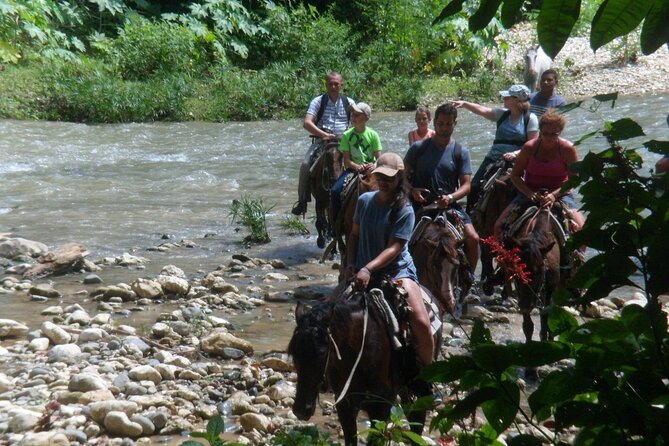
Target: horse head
(435, 253)
(309, 348)
(333, 161)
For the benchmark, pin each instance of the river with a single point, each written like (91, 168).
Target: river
(122, 188)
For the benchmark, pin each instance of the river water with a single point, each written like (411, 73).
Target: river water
(120, 188)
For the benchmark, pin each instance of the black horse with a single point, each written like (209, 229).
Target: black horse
(346, 344)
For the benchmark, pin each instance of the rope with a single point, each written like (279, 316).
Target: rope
(357, 361)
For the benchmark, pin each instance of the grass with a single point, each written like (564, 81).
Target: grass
(294, 226)
(252, 214)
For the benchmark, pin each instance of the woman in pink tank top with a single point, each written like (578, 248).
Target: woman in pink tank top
(422, 130)
(543, 164)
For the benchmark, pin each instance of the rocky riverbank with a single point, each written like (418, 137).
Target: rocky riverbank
(614, 68)
(83, 378)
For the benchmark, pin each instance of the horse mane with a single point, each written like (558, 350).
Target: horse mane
(311, 326)
(436, 235)
(538, 241)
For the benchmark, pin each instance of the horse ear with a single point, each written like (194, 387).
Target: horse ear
(546, 249)
(301, 310)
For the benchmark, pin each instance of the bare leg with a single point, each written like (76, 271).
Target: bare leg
(471, 245)
(420, 322)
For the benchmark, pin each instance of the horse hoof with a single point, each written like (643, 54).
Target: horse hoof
(320, 241)
(488, 288)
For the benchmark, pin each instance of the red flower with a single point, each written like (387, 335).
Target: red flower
(509, 260)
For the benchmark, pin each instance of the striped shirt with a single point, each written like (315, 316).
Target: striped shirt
(334, 115)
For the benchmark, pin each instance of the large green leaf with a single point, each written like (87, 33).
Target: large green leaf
(500, 412)
(616, 18)
(472, 401)
(557, 387)
(655, 30)
(483, 15)
(661, 147)
(623, 129)
(451, 9)
(493, 358)
(525, 440)
(510, 9)
(555, 22)
(448, 370)
(538, 353)
(216, 425)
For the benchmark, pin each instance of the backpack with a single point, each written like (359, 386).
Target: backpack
(324, 101)
(526, 121)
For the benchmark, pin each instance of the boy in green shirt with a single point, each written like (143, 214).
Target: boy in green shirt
(360, 147)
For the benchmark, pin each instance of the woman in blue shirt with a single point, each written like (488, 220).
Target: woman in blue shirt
(382, 226)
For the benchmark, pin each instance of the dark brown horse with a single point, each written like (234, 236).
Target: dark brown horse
(344, 222)
(324, 172)
(346, 344)
(540, 250)
(437, 249)
(496, 194)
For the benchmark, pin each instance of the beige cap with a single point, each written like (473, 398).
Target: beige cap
(362, 107)
(389, 164)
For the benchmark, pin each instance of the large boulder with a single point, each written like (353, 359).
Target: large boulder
(14, 247)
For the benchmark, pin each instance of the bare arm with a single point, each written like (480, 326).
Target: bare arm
(480, 110)
(386, 256)
(310, 126)
(519, 170)
(461, 192)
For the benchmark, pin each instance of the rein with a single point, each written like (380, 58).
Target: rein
(357, 361)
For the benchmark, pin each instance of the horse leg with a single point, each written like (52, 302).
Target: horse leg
(348, 415)
(487, 276)
(377, 411)
(321, 224)
(528, 325)
(543, 331)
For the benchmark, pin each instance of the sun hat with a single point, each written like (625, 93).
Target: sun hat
(362, 107)
(389, 164)
(519, 91)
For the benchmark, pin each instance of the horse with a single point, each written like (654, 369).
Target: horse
(536, 62)
(496, 194)
(346, 344)
(343, 223)
(436, 246)
(539, 243)
(324, 172)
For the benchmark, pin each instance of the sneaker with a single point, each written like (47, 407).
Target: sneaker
(300, 208)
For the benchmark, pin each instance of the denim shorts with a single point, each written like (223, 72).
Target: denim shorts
(567, 198)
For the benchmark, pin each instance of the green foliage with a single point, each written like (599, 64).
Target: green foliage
(294, 225)
(615, 389)
(215, 427)
(252, 214)
(145, 49)
(20, 89)
(557, 19)
(88, 92)
(303, 436)
(395, 430)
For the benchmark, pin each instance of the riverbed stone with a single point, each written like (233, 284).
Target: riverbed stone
(45, 290)
(147, 289)
(171, 270)
(39, 345)
(118, 423)
(126, 294)
(173, 284)
(219, 340)
(67, 353)
(95, 396)
(21, 420)
(279, 364)
(250, 421)
(275, 277)
(281, 390)
(92, 335)
(101, 319)
(142, 346)
(56, 334)
(80, 317)
(11, 329)
(45, 439)
(54, 310)
(85, 382)
(100, 410)
(145, 373)
(14, 247)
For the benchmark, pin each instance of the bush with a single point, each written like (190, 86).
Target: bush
(146, 49)
(88, 92)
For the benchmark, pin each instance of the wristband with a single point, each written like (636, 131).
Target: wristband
(450, 198)
(364, 268)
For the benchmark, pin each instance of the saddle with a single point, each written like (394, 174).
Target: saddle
(389, 300)
(493, 173)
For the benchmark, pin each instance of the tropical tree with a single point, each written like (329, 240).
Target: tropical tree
(556, 20)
